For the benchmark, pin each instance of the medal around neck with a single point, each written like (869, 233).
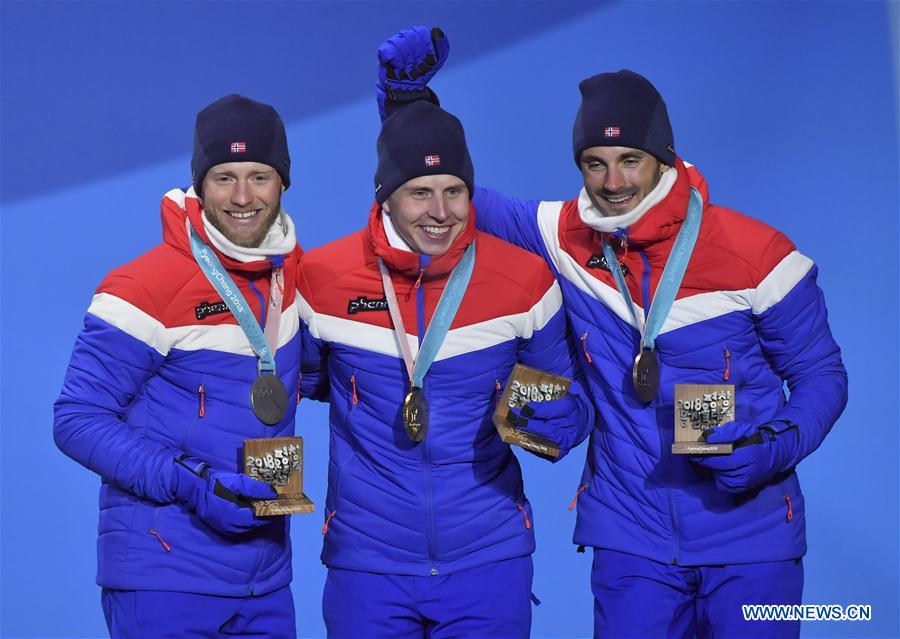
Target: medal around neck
(645, 375)
(645, 372)
(415, 414)
(269, 399)
(415, 407)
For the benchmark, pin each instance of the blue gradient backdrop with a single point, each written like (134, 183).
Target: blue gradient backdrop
(789, 109)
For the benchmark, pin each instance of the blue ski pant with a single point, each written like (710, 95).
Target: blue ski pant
(490, 601)
(636, 597)
(153, 614)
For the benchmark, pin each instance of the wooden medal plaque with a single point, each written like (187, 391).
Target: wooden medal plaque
(699, 408)
(528, 385)
(278, 461)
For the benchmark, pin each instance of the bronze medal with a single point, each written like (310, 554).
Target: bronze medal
(269, 399)
(415, 414)
(645, 375)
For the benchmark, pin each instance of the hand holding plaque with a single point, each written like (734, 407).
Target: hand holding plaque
(699, 408)
(278, 461)
(528, 385)
(760, 452)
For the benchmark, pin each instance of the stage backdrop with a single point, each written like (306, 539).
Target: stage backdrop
(789, 109)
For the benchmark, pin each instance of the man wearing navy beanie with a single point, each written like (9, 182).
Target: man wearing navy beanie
(157, 397)
(666, 291)
(412, 325)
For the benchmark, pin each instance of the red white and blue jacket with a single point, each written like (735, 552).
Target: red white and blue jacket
(162, 368)
(455, 500)
(748, 313)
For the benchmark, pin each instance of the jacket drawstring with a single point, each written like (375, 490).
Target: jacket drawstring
(727, 365)
(355, 396)
(202, 392)
(587, 355)
(162, 541)
(524, 514)
(328, 521)
(577, 495)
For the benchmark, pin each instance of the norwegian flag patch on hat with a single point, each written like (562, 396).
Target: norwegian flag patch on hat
(238, 147)
(611, 132)
(432, 160)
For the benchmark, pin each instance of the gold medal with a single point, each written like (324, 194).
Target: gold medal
(415, 414)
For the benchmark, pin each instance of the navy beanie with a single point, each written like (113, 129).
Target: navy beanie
(238, 129)
(421, 139)
(623, 109)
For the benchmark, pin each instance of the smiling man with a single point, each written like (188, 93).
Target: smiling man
(156, 399)
(413, 325)
(666, 290)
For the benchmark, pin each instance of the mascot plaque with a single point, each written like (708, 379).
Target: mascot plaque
(528, 385)
(278, 461)
(698, 409)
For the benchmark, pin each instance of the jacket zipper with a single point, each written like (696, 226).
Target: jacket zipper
(525, 515)
(202, 392)
(647, 299)
(263, 307)
(727, 365)
(645, 284)
(574, 501)
(790, 509)
(328, 521)
(355, 397)
(424, 260)
(162, 541)
(587, 356)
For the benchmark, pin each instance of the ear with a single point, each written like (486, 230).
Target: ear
(663, 168)
(386, 207)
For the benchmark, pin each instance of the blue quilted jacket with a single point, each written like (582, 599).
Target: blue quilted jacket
(160, 369)
(455, 500)
(748, 313)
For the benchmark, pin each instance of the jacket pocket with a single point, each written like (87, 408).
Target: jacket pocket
(584, 348)
(336, 494)
(197, 411)
(201, 400)
(353, 394)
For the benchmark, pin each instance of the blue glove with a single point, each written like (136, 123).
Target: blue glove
(760, 453)
(406, 62)
(563, 421)
(218, 498)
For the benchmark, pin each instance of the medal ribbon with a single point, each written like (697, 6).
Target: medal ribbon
(672, 274)
(220, 279)
(273, 314)
(440, 322)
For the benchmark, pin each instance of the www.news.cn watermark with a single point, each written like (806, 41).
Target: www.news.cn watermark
(807, 612)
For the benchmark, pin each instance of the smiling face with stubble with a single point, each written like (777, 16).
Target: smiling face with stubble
(242, 200)
(618, 178)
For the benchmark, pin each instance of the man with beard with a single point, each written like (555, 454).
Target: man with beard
(658, 299)
(157, 396)
(413, 325)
